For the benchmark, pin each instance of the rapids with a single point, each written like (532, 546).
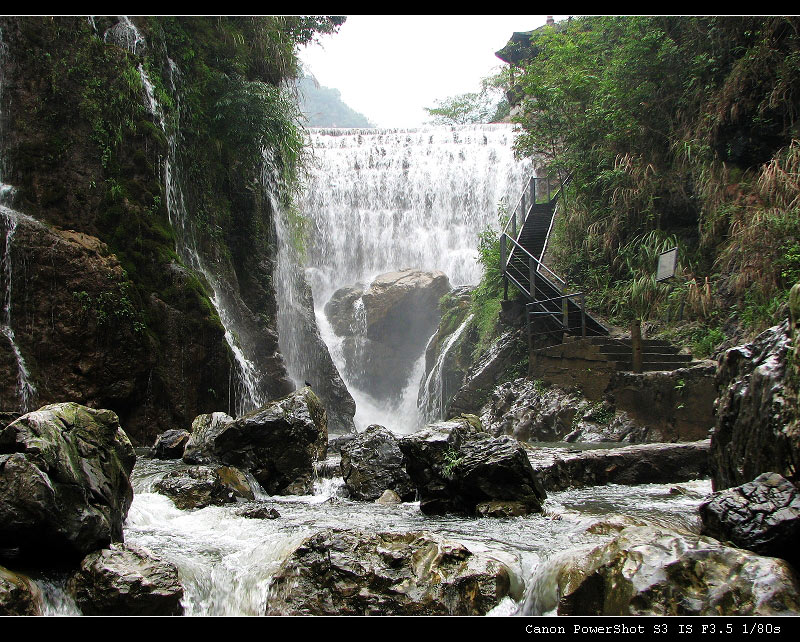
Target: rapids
(225, 561)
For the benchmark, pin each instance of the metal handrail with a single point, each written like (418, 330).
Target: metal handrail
(554, 314)
(530, 187)
(540, 267)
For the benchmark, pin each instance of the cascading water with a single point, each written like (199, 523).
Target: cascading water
(433, 392)
(9, 219)
(26, 390)
(249, 393)
(381, 200)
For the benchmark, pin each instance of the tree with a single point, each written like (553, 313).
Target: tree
(486, 106)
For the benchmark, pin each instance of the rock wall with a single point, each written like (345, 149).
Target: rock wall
(758, 420)
(108, 310)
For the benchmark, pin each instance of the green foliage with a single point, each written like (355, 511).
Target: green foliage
(681, 127)
(485, 106)
(706, 341)
(113, 310)
(450, 461)
(486, 297)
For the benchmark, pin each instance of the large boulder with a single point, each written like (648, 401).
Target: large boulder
(171, 444)
(654, 571)
(339, 572)
(509, 353)
(561, 468)
(18, 594)
(124, 580)
(456, 467)
(758, 419)
(385, 327)
(372, 463)
(278, 443)
(201, 486)
(64, 483)
(762, 516)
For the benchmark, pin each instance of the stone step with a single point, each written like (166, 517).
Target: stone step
(648, 366)
(649, 349)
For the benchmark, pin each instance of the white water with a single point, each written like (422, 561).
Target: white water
(26, 390)
(225, 561)
(381, 200)
(432, 394)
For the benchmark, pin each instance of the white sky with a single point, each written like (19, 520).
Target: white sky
(390, 67)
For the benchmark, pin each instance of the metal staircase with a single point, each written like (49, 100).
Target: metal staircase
(523, 244)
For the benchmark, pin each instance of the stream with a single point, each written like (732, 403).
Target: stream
(225, 561)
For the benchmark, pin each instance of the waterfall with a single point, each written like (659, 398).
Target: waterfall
(380, 200)
(434, 393)
(249, 392)
(26, 390)
(125, 34)
(385, 199)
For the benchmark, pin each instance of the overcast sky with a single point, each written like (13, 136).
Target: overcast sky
(390, 67)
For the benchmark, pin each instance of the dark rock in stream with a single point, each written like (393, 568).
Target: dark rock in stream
(654, 571)
(201, 486)
(562, 468)
(278, 444)
(64, 483)
(171, 444)
(123, 580)
(456, 466)
(372, 463)
(342, 572)
(762, 516)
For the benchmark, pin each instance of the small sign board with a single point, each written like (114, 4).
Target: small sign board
(667, 263)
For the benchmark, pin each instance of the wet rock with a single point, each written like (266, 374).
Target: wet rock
(389, 498)
(201, 486)
(171, 444)
(386, 326)
(762, 516)
(124, 580)
(758, 416)
(448, 354)
(64, 483)
(456, 466)
(18, 595)
(342, 313)
(83, 340)
(199, 448)
(402, 306)
(561, 468)
(530, 410)
(372, 463)
(651, 570)
(278, 443)
(261, 511)
(667, 405)
(339, 572)
(501, 509)
(317, 367)
(508, 354)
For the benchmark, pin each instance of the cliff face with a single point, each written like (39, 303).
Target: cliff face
(140, 239)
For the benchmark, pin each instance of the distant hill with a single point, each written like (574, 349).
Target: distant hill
(323, 106)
